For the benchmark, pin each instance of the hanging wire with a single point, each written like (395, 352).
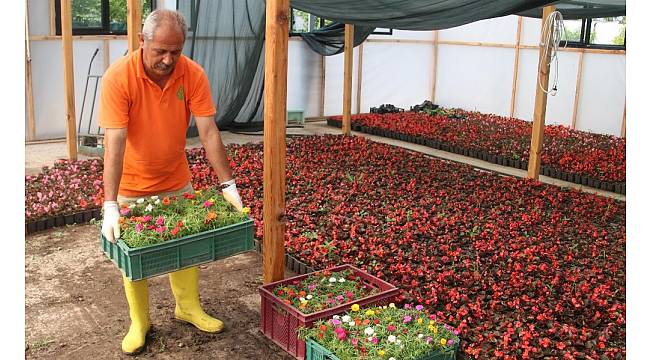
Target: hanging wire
(552, 33)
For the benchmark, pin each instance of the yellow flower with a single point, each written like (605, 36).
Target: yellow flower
(432, 328)
(370, 313)
(355, 307)
(443, 341)
(211, 200)
(381, 352)
(420, 320)
(431, 322)
(198, 192)
(391, 305)
(246, 210)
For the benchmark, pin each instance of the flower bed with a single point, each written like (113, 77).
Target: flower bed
(521, 268)
(380, 333)
(67, 192)
(576, 156)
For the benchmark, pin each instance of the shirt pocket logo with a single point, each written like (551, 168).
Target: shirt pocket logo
(180, 94)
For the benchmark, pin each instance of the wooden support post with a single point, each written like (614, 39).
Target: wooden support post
(29, 91)
(106, 51)
(539, 114)
(275, 116)
(68, 78)
(515, 74)
(52, 18)
(347, 78)
(359, 71)
(435, 66)
(623, 124)
(133, 23)
(576, 98)
(322, 85)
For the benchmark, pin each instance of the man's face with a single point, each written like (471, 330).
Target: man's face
(160, 54)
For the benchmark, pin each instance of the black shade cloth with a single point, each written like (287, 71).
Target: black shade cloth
(330, 40)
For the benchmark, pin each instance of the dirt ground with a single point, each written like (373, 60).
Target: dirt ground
(75, 306)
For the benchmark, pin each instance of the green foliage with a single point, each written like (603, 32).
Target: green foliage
(620, 38)
(88, 13)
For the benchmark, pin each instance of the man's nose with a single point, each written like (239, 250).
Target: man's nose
(167, 60)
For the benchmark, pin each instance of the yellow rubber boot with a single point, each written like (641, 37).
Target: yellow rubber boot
(185, 286)
(137, 295)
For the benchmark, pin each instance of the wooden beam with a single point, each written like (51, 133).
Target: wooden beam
(359, 71)
(322, 85)
(68, 78)
(52, 17)
(576, 98)
(474, 43)
(539, 114)
(434, 70)
(589, 51)
(623, 124)
(29, 91)
(275, 116)
(400, 41)
(515, 71)
(133, 23)
(78, 37)
(347, 78)
(106, 54)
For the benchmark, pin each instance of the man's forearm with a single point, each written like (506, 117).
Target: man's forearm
(216, 154)
(113, 162)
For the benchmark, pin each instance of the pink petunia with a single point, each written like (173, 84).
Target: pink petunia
(139, 227)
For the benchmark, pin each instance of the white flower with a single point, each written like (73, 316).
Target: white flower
(332, 279)
(346, 318)
(370, 338)
(368, 331)
(341, 280)
(302, 299)
(336, 317)
(352, 323)
(140, 201)
(131, 206)
(154, 197)
(148, 208)
(309, 297)
(157, 201)
(420, 336)
(391, 338)
(398, 341)
(391, 358)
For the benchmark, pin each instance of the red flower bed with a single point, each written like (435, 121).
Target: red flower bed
(523, 269)
(599, 156)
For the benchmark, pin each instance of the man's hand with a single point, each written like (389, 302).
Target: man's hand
(231, 194)
(110, 223)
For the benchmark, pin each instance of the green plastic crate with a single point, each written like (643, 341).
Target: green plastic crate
(296, 117)
(316, 351)
(148, 261)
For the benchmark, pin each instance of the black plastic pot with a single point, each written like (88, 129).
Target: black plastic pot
(40, 225)
(584, 180)
(31, 227)
(69, 219)
(49, 223)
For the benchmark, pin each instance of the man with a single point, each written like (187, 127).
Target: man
(145, 105)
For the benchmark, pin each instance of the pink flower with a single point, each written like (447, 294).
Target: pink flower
(125, 211)
(312, 287)
(407, 319)
(336, 322)
(419, 307)
(160, 229)
(375, 340)
(207, 203)
(391, 328)
(146, 218)
(139, 227)
(160, 221)
(354, 341)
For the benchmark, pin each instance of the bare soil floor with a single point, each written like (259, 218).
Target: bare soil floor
(75, 306)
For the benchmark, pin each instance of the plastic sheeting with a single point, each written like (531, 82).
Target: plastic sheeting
(330, 40)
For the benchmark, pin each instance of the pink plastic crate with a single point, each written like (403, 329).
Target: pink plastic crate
(280, 321)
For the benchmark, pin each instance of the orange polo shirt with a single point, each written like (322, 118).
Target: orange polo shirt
(156, 121)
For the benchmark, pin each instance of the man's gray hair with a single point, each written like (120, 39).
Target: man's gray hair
(163, 15)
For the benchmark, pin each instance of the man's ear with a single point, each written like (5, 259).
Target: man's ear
(141, 39)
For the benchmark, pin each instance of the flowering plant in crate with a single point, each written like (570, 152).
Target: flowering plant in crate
(153, 220)
(384, 332)
(323, 290)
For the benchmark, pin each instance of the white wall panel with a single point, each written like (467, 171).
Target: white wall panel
(501, 30)
(475, 78)
(334, 82)
(559, 109)
(602, 94)
(39, 17)
(391, 76)
(526, 82)
(406, 35)
(531, 30)
(303, 79)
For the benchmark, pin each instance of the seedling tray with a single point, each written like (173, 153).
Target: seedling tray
(152, 260)
(316, 351)
(280, 321)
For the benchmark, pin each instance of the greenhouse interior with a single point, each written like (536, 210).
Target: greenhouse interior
(329, 179)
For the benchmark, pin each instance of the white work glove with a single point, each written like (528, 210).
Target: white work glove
(231, 194)
(110, 223)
